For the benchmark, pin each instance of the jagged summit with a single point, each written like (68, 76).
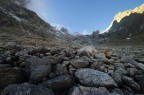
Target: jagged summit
(118, 17)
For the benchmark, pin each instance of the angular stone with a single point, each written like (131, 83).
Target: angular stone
(11, 76)
(117, 78)
(80, 62)
(60, 69)
(59, 83)
(121, 71)
(94, 78)
(81, 90)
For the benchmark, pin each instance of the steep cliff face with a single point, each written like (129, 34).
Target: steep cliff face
(127, 28)
(128, 19)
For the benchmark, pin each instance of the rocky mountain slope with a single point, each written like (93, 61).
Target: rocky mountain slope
(23, 26)
(121, 15)
(128, 27)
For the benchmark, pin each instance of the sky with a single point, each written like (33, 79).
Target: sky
(84, 16)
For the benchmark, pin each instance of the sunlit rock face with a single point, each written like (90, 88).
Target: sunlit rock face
(118, 17)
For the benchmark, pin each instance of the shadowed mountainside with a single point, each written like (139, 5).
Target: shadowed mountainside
(23, 26)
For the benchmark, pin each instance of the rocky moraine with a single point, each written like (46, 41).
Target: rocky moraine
(71, 71)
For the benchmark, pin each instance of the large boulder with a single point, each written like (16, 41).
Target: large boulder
(2, 58)
(80, 62)
(59, 83)
(130, 82)
(11, 76)
(140, 80)
(94, 78)
(26, 89)
(87, 51)
(2, 66)
(39, 68)
(81, 90)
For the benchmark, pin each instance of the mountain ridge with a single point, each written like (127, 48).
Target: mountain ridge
(119, 16)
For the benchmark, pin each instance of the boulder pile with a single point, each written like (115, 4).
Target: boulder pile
(69, 71)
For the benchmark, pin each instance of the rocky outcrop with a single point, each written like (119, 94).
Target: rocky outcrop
(26, 89)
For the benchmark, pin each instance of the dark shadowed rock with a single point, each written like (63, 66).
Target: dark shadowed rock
(2, 58)
(94, 78)
(81, 90)
(81, 62)
(2, 66)
(140, 81)
(11, 76)
(39, 68)
(59, 83)
(130, 82)
(140, 60)
(26, 89)
(38, 72)
(129, 65)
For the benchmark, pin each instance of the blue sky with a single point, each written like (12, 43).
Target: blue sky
(82, 16)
